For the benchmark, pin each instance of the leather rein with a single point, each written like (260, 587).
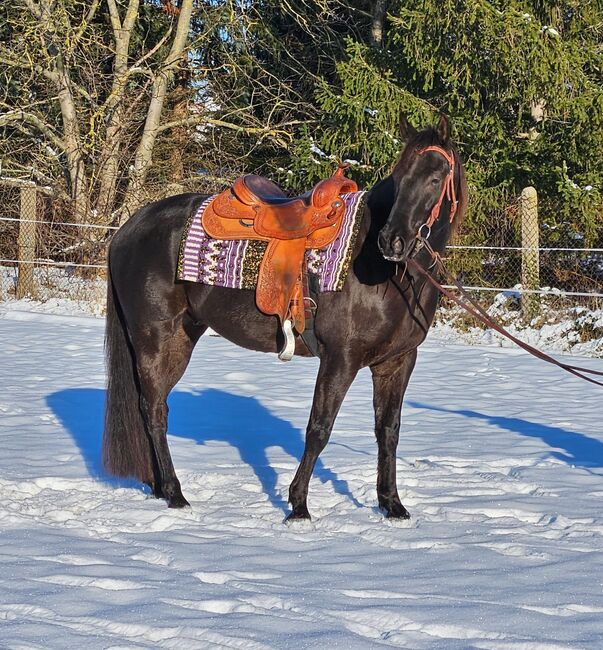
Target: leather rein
(465, 301)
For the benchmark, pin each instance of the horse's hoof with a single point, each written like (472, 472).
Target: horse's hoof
(395, 515)
(178, 502)
(298, 514)
(397, 511)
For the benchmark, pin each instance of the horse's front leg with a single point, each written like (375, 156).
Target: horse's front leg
(390, 380)
(334, 378)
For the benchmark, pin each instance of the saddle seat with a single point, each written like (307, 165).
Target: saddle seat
(256, 208)
(266, 190)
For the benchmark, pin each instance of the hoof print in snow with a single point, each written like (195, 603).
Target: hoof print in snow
(400, 522)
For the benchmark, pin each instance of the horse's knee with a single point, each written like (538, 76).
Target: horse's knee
(317, 437)
(388, 437)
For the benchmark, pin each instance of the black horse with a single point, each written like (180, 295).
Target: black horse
(378, 320)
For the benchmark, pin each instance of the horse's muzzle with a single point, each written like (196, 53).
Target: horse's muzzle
(393, 247)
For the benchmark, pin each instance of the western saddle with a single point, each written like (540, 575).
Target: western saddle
(256, 208)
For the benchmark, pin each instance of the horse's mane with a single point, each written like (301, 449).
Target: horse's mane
(425, 138)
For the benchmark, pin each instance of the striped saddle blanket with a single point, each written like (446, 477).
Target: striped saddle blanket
(235, 264)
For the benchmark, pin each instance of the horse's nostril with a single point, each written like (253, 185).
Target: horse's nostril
(382, 241)
(397, 245)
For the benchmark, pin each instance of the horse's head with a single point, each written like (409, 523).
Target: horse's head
(430, 191)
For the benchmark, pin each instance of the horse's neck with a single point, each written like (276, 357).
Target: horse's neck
(379, 204)
(373, 269)
(370, 267)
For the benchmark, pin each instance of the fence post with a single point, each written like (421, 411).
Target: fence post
(530, 256)
(27, 242)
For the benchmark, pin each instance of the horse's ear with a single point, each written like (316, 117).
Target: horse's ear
(407, 130)
(443, 128)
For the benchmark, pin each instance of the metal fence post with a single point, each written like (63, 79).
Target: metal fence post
(530, 257)
(27, 243)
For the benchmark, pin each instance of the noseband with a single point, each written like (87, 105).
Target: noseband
(447, 187)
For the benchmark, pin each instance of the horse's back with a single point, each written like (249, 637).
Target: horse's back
(156, 221)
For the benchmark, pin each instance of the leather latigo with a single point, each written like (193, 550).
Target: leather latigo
(256, 208)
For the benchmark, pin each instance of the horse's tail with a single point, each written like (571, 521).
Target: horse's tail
(126, 446)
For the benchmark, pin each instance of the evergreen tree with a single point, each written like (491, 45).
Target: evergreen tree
(522, 83)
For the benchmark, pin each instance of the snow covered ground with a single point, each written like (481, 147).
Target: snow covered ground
(500, 464)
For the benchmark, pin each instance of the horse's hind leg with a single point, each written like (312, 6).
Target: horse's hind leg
(390, 380)
(334, 379)
(163, 351)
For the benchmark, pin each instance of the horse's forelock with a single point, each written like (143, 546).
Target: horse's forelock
(425, 138)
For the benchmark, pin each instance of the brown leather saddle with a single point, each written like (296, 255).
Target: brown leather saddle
(257, 208)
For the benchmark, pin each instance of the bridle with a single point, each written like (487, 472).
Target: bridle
(464, 300)
(447, 191)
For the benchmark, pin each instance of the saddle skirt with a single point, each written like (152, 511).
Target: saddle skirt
(257, 209)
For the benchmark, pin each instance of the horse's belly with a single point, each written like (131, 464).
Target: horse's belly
(233, 314)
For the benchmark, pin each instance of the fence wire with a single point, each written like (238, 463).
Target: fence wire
(571, 273)
(528, 263)
(45, 256)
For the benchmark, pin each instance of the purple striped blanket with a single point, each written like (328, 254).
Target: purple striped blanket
(235, 264)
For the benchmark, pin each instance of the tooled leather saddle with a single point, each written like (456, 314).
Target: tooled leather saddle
(256, 208)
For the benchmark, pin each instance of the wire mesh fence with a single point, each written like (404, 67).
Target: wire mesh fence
(540, 274)
(574, 275)
(45, 256)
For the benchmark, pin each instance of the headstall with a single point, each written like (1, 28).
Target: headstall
(447, 188)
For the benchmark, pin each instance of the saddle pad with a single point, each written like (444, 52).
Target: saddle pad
(235, 263)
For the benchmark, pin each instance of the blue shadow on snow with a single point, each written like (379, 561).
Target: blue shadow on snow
(580, 450)
(211, 415)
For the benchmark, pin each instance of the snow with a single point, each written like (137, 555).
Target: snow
(564, 335)
(500, 464)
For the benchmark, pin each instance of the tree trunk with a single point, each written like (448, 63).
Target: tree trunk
(144, 153)
(73, 148)
(180, 134)
(377, 26)
(111, 151)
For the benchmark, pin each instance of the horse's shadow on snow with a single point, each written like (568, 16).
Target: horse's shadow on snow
(579, 450)
(211, 415)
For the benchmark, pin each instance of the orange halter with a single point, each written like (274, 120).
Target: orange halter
(447, 187)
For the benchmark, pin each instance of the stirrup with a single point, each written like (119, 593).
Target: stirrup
(286, 354)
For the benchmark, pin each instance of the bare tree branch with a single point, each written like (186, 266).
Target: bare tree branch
(196, 120)
(29, 118)
(85, 23)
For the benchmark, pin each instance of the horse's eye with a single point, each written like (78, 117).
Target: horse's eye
(435, 181)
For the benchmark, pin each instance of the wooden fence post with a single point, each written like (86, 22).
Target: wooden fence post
(27, 242)
(530, 255)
